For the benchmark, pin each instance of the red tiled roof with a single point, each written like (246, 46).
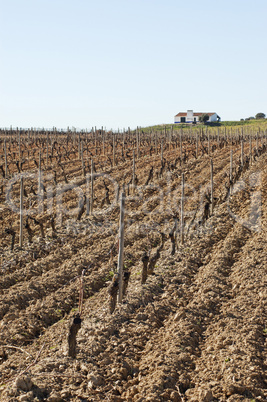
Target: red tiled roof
(184, 114)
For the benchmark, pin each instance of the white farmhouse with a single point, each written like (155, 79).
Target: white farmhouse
(191, 117)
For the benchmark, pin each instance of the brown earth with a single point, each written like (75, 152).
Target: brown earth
(195, 331)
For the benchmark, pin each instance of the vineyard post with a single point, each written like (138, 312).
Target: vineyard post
(6, 172)
(121, 246)
(250, 149)
(19, 151)
(87, 194)
(47, 149)
(181, 147)
(133, 171)
(93, 136)
(123, 138)
(103, 139)
(242, 153)
(21, 213)
(211, 186)
(92, 187)
(257, 141)
(231, 171)
(209, 143)
(87, 154)
(114, 150)
(83, 167)
(79, 146)
(182, 210)
(137, 143)
(196, 145)
(161, 155)
(40, 187)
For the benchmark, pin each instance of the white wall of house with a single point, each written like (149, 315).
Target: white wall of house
(213, 117)
(177, 119)
(190, 118)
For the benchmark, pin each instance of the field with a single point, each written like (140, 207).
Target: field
(195, 328)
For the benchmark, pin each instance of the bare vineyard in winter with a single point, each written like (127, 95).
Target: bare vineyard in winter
(133, 265)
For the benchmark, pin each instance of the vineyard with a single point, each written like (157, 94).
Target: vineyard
(133, 265)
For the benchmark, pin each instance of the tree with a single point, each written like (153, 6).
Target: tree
(204, 118)
(260, 116)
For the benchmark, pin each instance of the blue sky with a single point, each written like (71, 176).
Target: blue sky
(119, 63)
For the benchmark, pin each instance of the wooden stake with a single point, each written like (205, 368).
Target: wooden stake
(19, 151)
(242, 153)
(250, 149)
(182, 210)
(87, 194)
(92, 187)
(6, 171)
(121, 246)
(103, 139)
(46, 149)
(133, 171)
(170, 138)
(40, 188)
(114, 150)
(196, 145)
(137, 144)
(231, 171)
(211, 186)
(83, 167)
(181, 148)
(79, 146)
(21, 213)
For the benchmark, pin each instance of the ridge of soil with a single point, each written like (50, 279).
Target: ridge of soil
(195, 331)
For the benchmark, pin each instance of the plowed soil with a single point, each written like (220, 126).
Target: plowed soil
(195, 331)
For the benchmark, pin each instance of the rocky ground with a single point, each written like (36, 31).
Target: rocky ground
(195, 331)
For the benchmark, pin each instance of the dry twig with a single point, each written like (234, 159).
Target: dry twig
(16, 347)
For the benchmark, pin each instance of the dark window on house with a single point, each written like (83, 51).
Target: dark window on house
(182, 119)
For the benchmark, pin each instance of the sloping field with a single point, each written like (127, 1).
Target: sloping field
(196, 330)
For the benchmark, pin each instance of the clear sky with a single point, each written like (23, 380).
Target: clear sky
(120, 63)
